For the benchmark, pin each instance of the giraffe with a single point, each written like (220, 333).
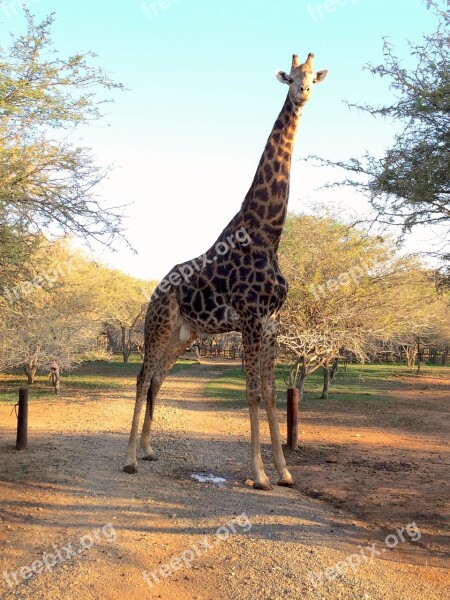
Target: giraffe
(235, 286)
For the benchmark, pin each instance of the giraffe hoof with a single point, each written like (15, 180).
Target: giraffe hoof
(262, 485)
(286, 483)
(150, 457)
(130, 469)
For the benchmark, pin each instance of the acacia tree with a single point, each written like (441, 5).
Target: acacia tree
(440, 335)
(45, 180)
(49, 331)
(419, 315)
(344, 292)
(409, 185)
(53, 322)
(319, 257)
(17, 245)
(124, 304)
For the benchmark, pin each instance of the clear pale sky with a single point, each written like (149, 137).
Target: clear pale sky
(202, 98)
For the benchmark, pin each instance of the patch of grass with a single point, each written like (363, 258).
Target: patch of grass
(360, 384)
(95, 376)
(230, 387)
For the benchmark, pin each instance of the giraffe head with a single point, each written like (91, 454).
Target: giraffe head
(301, 79)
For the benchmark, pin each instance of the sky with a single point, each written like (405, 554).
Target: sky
(186, 136)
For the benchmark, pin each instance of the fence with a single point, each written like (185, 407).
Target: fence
(217, 352)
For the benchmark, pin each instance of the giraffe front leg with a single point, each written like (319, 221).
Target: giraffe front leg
(260, 479)
(251, 333)
(277, 450)
(269, 391)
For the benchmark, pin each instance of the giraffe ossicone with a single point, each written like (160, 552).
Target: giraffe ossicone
(241, 289)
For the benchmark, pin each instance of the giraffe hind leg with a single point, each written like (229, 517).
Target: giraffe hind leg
(175, 347)
(149, 454)
(158, 333)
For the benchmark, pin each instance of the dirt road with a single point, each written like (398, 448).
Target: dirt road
(73, 525)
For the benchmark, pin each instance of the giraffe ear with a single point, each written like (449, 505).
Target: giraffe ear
(284, 77)
(320, 76)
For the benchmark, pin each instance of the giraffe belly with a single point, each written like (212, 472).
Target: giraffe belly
(210, 317)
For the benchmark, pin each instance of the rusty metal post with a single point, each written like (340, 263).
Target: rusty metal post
(22, 420)
(292, 418)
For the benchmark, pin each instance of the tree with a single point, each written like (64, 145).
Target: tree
(322, 262)
(45, 180)
(51, 322)
(17, 245)
(124, 305)
(421, 316)
(55, 320)
(329, 374)
(441, 337)
(346, 291)
(409, 185)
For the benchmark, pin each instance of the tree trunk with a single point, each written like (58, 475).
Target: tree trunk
(329, 374)
(326, 381)
(30, 371)
(126, 345)
(418, 356)
(444, 356)
(433, 356)
(111, 341)
(31, 374)
(140, 348)
(196, 352)
(302, 374)
(411, 353)
(334, 369)
(301, 386)
(55, 378)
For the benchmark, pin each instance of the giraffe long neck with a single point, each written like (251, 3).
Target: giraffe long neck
(264, 208)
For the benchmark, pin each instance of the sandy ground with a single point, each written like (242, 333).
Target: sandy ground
(65, 502)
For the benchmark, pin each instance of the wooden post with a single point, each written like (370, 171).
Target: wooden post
(292, 418)
(22, 420)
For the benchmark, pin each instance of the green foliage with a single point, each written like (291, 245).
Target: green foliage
(335, 285)
(409, 185)
(16, 245)
(59, 315)
(45, 180)
(351, 292)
